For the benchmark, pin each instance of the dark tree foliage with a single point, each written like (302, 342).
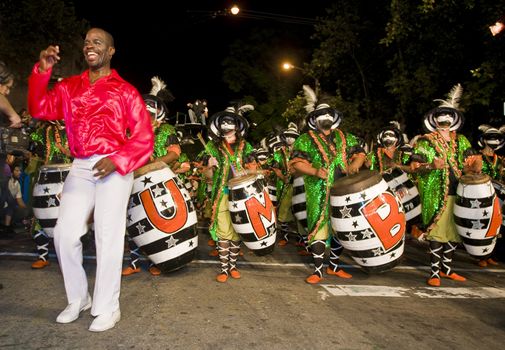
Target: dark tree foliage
(29, 26)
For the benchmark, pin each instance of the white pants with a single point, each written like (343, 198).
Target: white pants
(109, 197)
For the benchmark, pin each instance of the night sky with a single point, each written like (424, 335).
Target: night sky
(196, 41)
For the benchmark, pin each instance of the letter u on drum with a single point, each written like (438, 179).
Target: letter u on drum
(161, 218)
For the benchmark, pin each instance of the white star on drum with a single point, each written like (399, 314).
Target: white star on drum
(172, 242)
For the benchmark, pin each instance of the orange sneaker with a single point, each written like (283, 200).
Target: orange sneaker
(313, 279)
(434, 282)
(304, 252)
(453, 276)
(154, 271)
(130, 271)
(282, 243)
(213, 252)
(482, 263)
(235, 274)
(493, 262)
(40, 264)
(222, 277)
(211, 243)
(340, 273)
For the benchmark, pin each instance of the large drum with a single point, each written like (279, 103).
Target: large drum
(368, 220)
(161, 218)
(272, 192)
(477, 214)
(46, 195)
(299, 202)
(252, 213)
(405, 189)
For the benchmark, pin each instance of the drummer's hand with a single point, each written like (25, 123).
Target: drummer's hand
(104, 167)
(48, 58)
(321, 173)
(438, 163)
(213, 162)
(352, 169)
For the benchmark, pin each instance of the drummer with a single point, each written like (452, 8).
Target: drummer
(490, 140)
(48, 145)
(440, 158)
(228, 155)
(388, 154)
(323, 154)
(281, 157)
(166, 150)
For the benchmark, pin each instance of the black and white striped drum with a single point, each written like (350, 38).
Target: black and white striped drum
(252, 213)
(46, 195)
(299, 202)
(405, 189)
(368, 220)
(477, 214)
(272, 192)
(161, 218)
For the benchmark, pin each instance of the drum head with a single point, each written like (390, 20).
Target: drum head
(356, 182)
(241, 179)
(474, 179)
(55, 167)
(149, 167)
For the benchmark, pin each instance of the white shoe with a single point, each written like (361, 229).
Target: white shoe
(72, 311)
(105, 321)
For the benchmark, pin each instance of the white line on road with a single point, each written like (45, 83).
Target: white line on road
(270, 264)
(405, 292)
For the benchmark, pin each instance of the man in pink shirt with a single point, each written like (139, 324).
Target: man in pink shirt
(109, 136)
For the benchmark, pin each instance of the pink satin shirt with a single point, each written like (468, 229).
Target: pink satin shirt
(107, 117)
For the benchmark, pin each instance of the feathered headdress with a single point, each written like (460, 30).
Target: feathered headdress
(237, 112)
(491, 136)
(316, 107)
(449, 106)
(155, 99)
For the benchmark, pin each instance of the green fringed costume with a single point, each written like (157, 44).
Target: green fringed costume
(242, 154)
(164, 136)
(434, 185)
(314, 148)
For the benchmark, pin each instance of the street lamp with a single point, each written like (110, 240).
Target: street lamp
(497, 28)
(287, 66)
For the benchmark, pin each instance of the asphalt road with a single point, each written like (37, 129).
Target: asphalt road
(270, 307)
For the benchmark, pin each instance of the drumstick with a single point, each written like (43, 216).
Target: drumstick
(200, 137)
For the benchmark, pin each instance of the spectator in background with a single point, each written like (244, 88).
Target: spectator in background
(6, 83)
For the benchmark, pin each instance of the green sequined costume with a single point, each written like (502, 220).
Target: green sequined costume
(434, 184)
(492, 166)
(315, 148)
(242, 154)
(380, 161)
(164, 136)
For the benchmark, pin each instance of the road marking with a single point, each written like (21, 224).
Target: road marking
(270, 264)
(420, 292)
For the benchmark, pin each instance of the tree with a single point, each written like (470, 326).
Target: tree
(28, 26)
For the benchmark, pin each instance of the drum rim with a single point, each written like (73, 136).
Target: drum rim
(373, 179)
(146, 169)
(232, 183)
(479, 179)
(56, 166)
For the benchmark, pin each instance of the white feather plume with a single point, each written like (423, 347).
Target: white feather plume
(158, 85)
(453, 97)
(245, 108)
(484, 127)
(311, 98)
(502, 129)
(396, 124)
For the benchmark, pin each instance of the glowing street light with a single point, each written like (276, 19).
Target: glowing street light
(497, 28)
(287, 66)
(234, 10)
